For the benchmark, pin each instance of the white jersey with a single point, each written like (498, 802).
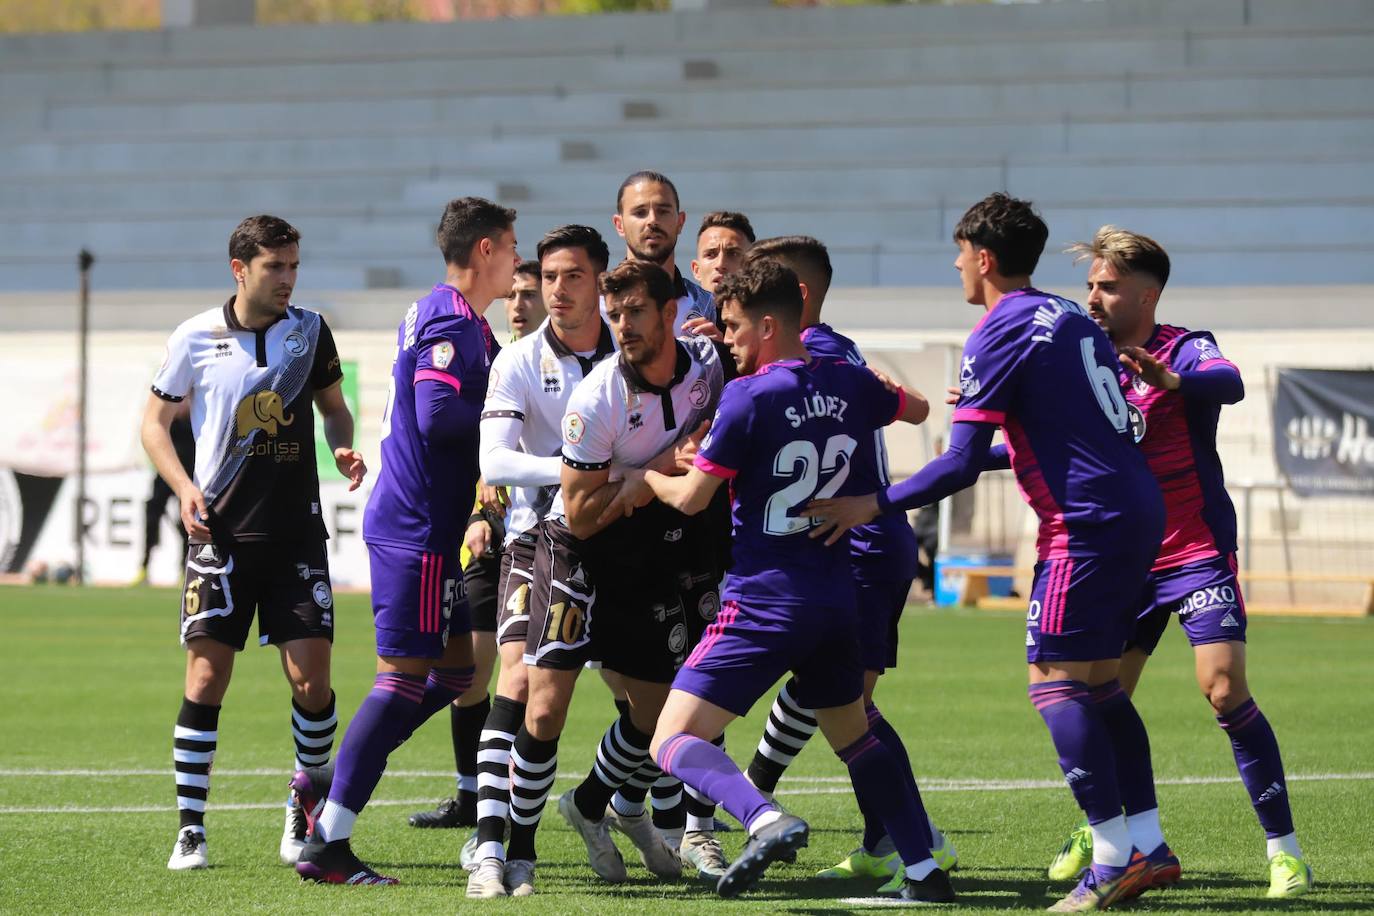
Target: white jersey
(251, 414)
(617, 417)
(531, 382)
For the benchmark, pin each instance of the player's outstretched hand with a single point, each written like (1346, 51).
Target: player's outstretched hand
(493, 499)
(350, 464)
(703, 326)
(1154, 372)
(686, 455)
(952, 395)
(477, 539)
(841, 513)
(194, 513)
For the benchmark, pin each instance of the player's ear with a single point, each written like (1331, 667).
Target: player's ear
(670, 312)
(805, 293)
(987, 261)
(681, 221)
(619, 225)
(238, 268)
(696, 269)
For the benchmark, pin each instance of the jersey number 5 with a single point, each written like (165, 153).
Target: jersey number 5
(1105, 386)
(799, 457)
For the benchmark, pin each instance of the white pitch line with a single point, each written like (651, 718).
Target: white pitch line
(931, 785)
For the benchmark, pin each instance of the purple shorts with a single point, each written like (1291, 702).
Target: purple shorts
(1205, 596)
(748, 648)
(1083, 608)
(417, 600)
(880, 603)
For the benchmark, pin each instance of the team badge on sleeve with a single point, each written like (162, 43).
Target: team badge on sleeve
(573, 428)
(442, 354)
(1206, 350)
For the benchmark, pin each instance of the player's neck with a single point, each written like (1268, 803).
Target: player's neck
(784, 350)
(250, 318)
(995, 286)
(582, 339)
(468, 284)
(1139, 336)
(660, 371)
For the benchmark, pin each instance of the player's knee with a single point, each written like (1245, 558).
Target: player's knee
(311, 693)
(544, 721)
(1223, 691)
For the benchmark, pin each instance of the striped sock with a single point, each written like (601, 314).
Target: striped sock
(790, 726)
(669, 813)
(193, 750)
(629, 798)
(313, 733)
(622, 750)
(533, 766)
(493, 775)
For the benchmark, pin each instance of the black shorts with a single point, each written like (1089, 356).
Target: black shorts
(513, 589)
(481, 580)
(286, 584)
(562, 597)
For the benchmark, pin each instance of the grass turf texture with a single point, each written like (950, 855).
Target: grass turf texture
(93, 682)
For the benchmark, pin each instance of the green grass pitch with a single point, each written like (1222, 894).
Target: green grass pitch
(92, 682)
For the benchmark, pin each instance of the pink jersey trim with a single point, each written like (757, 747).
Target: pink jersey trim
(901, 406)
(706, 465)
(978, 415)
(434, 375)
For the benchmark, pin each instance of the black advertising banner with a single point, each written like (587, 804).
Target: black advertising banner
(1324, 431)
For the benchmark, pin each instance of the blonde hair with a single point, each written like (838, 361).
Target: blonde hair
(1127, 252)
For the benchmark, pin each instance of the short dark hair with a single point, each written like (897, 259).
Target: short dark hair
(648, 177)
(465, 222)
(261, 233)
(527, 269)
(808, 257)
(764, 286)
(727, 219)
(1009, 228)
(629, 274)
(574, 236)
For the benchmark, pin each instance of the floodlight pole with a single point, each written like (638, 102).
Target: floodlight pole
(84, 260)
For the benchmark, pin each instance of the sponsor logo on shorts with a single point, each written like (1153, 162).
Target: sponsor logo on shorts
(1230, 620)
(322, 595)
(699, 393)
(295, 343)
(709, 606)
(1030, 640)
(1033, 614)
(672, 536)
(574, 428)
(307, 572)
(207, 553)
(1212, 598)
(441, 354)
(677, 638)
(327, 619)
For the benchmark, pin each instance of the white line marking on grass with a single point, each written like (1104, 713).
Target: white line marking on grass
(930, 785)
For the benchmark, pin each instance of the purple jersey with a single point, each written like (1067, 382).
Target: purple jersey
(885, 548)
(429, 453)
(783, 436)
(1039, 367)
(1178, 434)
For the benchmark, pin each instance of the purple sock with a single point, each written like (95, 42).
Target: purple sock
(1135, 774)
(879, 784)
(709, 770)
(884, 732)
(387, 713)
(443, 686)
(1261, 768)
(1084, 745)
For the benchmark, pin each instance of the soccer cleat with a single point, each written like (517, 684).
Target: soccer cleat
(189, 851)
(785, 835)
(520, 877)
(335, 863)
(701, 850)
(310, 790)
(487, 879)
(863, 864)
(654, 851)
(943, 851)
(602, 855)
(1166, 870)
(1289, 876)
(1093, 893)
(933, 888)
(450, 813)
(467, 856)
(294, 834)
(1076, 855)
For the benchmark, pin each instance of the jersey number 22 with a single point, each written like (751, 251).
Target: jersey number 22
(800, 458)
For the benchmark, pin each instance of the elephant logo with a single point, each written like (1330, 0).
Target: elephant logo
(263, 410)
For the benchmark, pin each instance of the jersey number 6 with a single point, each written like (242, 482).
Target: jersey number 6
(777, 517)
(1105, 387)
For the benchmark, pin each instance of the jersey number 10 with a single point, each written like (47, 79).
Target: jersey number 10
(800, 458)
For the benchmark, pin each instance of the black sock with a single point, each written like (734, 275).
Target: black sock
(466, 724)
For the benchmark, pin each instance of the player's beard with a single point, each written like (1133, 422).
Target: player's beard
(650, 346)
(639, 254)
